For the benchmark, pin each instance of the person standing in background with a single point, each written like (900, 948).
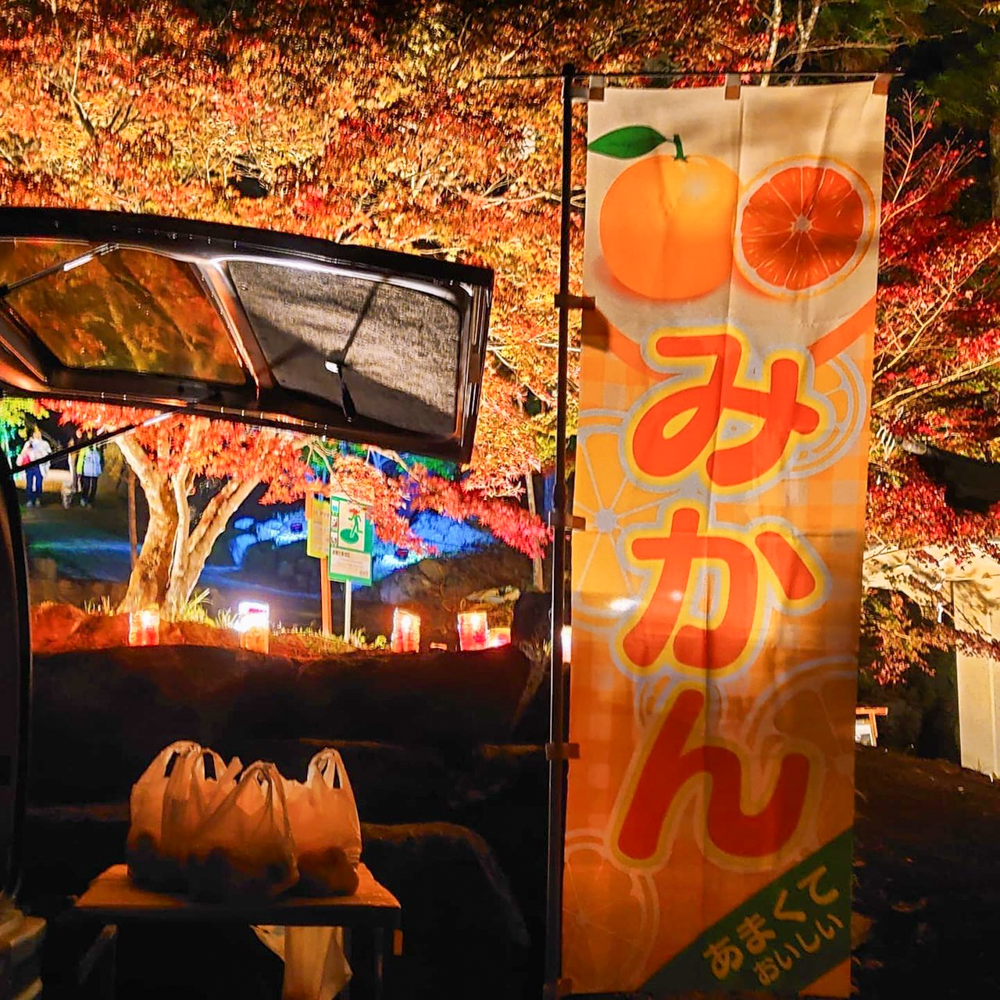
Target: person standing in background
(71, 491)
(88, 467)
(35, 447)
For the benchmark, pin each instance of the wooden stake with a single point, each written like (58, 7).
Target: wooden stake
(324, 595)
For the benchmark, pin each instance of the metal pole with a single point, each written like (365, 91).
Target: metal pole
(347, 611)
(554, 887)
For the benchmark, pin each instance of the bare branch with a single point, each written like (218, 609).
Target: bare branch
(805, 29)
(772, 48)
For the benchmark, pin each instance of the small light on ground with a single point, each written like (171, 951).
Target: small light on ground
(405, 632)
(253, 622)
(472, 630)
(144, 627)
(498, 637)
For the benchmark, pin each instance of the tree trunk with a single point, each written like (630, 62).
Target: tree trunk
(537, 574)
(193, 549)
(772, 48)
(133, 533)
(805, 28)
(173, 554)
(147, 585)
(995, 167)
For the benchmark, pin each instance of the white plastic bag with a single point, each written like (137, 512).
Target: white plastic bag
(197, 784)
(245, 848)
(325, 826)
(173, 798)
(147, 863)
(315, 965)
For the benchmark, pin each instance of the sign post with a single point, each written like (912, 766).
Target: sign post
(318, 546)
(326, 609)
(350, 552)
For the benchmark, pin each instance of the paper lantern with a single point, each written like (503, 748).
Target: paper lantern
(405, 632)
(498, 637)
(144, 627)
(253, 622)
(472, 630)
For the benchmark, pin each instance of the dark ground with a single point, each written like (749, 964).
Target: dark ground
(927, 874)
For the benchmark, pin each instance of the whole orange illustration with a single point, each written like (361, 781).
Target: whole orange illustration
(667, 226)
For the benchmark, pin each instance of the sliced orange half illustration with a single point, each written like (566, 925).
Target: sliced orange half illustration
(803, 226)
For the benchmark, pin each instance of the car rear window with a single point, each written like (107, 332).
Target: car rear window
(128, 310)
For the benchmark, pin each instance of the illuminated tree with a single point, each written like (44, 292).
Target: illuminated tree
(368, 123)
(937, 383)
(196, 473)
(14, 420)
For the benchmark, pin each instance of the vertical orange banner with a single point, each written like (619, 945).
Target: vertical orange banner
(731, 247)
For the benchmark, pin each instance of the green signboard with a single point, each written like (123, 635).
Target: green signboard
(781, 939)
(351, 539)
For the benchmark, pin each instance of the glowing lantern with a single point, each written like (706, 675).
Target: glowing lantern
(253, 622)
(498, 637)
(567, 641)
(144, 627)
(405, 632)
(472, 630)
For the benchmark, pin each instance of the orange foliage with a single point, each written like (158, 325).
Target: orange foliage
(367, 123)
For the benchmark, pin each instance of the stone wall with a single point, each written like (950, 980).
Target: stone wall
(45, 584)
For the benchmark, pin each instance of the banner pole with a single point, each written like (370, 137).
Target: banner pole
(556, 749)
(347, 610)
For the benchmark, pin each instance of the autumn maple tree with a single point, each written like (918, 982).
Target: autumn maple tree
(380, 124)
(936, 383)
(366, 123)
(370, 123)
(16, 418)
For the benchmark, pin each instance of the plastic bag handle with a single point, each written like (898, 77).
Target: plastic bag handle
(326, 757)
(176, 750)
(264, 772)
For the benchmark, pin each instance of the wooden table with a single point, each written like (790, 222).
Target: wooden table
(870, 714)
(367, 916)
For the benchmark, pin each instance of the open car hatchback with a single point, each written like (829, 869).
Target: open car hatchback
(280, 330)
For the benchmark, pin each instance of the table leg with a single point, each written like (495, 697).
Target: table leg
(99, 957)
(366, 957)
(111, 964)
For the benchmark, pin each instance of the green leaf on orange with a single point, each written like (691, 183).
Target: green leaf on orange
(628, 142)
